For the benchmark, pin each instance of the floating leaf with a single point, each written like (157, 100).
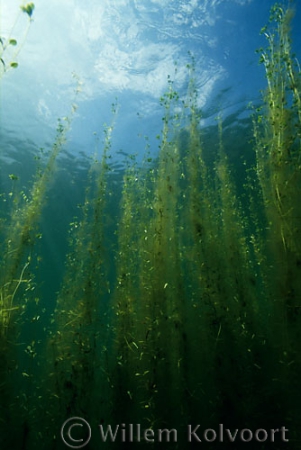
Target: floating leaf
(14, 65)
(12, 42)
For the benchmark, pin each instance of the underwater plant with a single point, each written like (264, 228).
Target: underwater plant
(11, 47)
(20, 233)
(147, 319)
(76, 353)
(278, 144)
(277, 133)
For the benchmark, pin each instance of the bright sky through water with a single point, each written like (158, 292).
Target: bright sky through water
(126, 49)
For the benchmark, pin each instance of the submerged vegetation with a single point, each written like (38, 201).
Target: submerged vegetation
(182, 305)
(10, 47)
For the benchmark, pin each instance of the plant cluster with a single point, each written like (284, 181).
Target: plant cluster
(182, 304)
(10, 47)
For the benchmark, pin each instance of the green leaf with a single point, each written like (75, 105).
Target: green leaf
(28, 9)
(14, 65)
(13, 177)
(12, 42)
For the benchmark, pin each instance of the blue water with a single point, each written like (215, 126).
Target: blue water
(126, 50)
